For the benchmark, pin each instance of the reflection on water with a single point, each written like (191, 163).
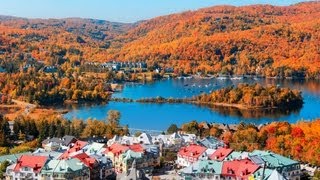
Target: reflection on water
(160, 116)
(254, 113)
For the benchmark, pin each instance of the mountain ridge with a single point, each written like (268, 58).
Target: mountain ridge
(218, 39)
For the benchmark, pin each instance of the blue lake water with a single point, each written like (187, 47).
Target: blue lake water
(160, 116)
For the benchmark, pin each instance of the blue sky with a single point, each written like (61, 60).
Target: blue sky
(114, 10)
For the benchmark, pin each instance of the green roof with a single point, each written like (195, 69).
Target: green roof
(12, 157)
(95, 148)
(131, 155)
(204, 166)
(258, 174)
(214, 165)
(233, 155)
(274, 160)
(63, 166)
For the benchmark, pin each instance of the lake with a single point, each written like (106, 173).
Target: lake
(160, 116)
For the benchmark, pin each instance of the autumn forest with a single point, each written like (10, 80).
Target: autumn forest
(259, 40)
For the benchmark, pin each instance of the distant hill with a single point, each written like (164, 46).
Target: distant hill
(258, 39)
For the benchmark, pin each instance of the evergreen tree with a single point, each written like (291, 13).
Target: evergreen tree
(172, 129)
(52, 130)
(16, 126)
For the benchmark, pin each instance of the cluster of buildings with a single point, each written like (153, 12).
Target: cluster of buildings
(70, 158)
(199, 162)
(131, 157)
(116, 66)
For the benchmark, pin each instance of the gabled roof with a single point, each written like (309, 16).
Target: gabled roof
(34, 162)
(96, 139)
(175, 136)
(87, 160)
(102, 159)
(239, 168)
(131, 155)
(275, 175)
(51, 154)
(65, 140)
(274, 160)
(137, 148)
(221, 153)
(211, 142)
(145, 138)
(117, 149)
(77, 146)
(189, 137)
(127, 140)
(63, 166)
(204, 166)
(192, 150)
(266, 173)
(94, 148)
(12, 157)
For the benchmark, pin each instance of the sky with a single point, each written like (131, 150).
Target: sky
(115, 10)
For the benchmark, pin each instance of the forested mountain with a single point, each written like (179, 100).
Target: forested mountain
(56, 40)
(258, 39)
(252, 39)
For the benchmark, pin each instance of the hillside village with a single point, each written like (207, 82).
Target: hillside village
(147, 157)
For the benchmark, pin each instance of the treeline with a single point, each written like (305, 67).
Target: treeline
(299, 141)
(254, 96)
(52, 89)
(160, 99)
(26, 129)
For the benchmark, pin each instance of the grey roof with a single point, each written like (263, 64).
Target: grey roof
(103, 160)
(51, 154)
(211, 142)
(96, 139)
(257, 160)
(65, 140)
(275, 175)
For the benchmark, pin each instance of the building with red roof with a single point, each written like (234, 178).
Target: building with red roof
(190, 154)
(220, 154)
(87, 160)
(137, 148)
(74, 148)
(115, 150)
(238, 169)
(28, 167)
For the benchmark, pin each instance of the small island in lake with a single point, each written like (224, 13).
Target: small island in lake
(255, 96)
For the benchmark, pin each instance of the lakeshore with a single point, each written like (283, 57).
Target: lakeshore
(139, 115)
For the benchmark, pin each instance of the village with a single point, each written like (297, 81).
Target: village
(165, 156)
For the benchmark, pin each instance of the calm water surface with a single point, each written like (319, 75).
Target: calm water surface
(160, 116)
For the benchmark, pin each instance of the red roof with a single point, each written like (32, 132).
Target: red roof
(136, 148)
(192, 150)
(34, 162)
(77, 146)
(87, 160)
(221, 153)
(117, 149)
(239, 168)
